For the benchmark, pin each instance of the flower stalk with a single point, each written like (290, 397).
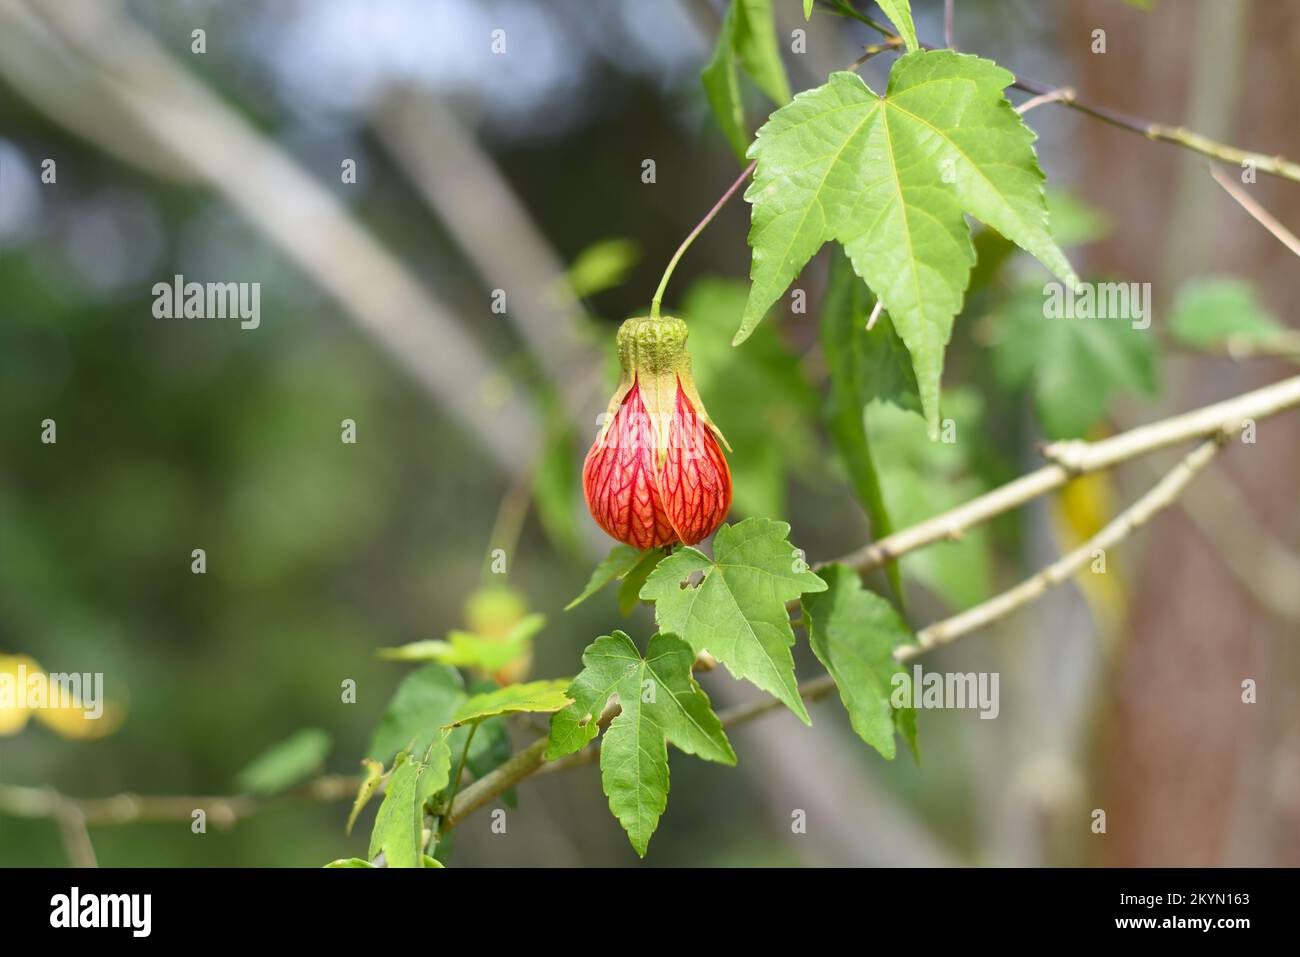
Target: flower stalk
(699, 228)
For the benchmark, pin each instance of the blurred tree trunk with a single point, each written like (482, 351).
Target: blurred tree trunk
(1187, 774)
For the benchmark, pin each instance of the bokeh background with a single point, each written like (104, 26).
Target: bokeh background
(523, 172)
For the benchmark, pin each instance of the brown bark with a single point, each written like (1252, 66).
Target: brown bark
(1187, 773)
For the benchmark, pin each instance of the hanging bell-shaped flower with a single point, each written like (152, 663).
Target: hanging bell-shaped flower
(656, 474)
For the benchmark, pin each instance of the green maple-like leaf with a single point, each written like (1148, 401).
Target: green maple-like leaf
(661, 704)
(854, 632)
(736, 611)
(890, 178)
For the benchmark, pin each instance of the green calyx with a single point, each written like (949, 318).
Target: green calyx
(648, 346)
(652, 353)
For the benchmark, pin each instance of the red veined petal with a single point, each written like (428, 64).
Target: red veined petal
(618, 478)
(695, 481)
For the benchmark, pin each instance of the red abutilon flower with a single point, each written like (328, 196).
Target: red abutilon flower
(656, 474)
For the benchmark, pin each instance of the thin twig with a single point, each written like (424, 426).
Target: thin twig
(1070, 459)
(76, 838)
(498, 781)
(1177, 135)
(947, 25)
(1261, 215)
(1055, 96)
(222, 811)
(1061, 570)
(893, 43)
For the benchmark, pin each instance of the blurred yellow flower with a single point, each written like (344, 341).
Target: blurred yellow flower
(26, 691)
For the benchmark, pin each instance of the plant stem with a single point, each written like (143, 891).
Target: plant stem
(1064, 568)
(521, 765)
(223, 811)
(1056, 96)
(708, 218)
(1073, 458)
(1257, 212)
(460, 771)
(893, 43)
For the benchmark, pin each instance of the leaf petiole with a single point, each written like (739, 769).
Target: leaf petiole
(460, 771)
